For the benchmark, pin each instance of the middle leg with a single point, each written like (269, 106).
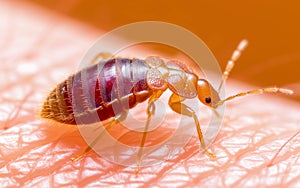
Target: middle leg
(150, 113)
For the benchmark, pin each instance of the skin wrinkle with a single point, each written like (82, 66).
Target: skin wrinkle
(32, 147)
(240, 154)
(60, 171)
(15, 113)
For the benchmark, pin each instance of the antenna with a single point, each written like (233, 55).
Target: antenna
(230, 64)
(258, 91)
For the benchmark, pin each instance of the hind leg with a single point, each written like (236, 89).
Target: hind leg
(89, 148)
(102, 56)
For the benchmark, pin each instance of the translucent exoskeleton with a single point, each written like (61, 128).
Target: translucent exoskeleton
(148, 80)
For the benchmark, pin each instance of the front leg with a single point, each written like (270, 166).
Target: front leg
(175, 102)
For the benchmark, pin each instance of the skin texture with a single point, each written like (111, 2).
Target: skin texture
(36, 152)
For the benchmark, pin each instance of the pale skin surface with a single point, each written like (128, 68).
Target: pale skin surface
(37, 153)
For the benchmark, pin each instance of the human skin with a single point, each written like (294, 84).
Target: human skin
(36, 152)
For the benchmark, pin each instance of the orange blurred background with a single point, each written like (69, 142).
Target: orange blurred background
(271, 26)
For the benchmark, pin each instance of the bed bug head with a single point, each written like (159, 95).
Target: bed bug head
(210, 97)
(207, 94)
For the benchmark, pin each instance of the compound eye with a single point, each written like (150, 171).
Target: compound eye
(208, 100)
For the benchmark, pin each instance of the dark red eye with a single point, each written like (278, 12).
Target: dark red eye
(208, 100)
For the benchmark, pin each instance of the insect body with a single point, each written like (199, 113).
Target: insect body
(110, 88)
(109, 83)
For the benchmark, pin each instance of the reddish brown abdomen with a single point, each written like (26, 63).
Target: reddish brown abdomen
(98, 92)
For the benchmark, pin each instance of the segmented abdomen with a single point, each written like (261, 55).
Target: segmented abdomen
(98, 92)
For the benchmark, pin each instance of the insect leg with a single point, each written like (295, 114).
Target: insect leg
(150, 113)
(175, 102)
(89, 148)
(102, 56)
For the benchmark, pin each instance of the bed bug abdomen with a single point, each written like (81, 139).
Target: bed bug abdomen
(98, 92)
(58, 104)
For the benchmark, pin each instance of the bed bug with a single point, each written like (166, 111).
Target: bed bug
(115, 79)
